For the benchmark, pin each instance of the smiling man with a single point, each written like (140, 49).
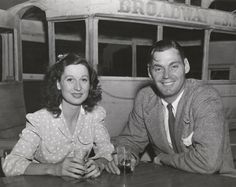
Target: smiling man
(182, 119)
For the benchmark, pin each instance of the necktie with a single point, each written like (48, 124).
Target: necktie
(171, 121)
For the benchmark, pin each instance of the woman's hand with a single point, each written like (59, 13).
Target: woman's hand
(70, 167)
(94, 168)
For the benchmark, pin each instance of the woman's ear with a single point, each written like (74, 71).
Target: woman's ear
(58, 86)
(186, 66)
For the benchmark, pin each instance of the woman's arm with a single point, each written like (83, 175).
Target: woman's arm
(69, 167)
(22, 154)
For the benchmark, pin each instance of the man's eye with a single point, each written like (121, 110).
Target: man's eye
(156, 68)
(175, 66)
(85, 80)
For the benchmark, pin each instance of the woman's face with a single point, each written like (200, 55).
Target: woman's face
(74, 84)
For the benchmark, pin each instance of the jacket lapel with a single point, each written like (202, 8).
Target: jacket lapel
(182, 118)
(155, 124)
(179, 123)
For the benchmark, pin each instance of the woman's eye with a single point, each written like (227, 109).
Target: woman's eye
(69, 80)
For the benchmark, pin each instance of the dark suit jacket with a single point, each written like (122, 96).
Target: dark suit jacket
(200, 113)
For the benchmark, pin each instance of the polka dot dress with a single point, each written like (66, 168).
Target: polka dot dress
(47, 139)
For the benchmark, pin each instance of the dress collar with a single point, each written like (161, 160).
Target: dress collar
(82, 111)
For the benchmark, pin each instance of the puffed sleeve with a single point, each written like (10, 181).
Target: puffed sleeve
(102, 145)
(22, 153)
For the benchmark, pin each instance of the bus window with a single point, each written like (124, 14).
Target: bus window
(1, 61)
(222, 57)
(192, 42)
(118, 63)
(191, 2)
(142, 58)
(35, 57)
(178, 1)
(34, 44)
(196, 2)
(34, 64)
(70, 37)
(123, 48)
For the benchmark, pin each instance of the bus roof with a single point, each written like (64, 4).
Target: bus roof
(143, 10)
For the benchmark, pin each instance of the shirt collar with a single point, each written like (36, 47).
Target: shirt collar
(175, 103)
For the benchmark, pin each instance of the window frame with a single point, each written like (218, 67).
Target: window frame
(8, 56)
(92, 39)
(220, 66)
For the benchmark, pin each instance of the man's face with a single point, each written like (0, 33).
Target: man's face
(168, 73)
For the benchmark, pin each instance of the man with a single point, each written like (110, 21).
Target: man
(191, 134)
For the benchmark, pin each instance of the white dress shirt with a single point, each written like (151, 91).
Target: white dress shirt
(166, 116)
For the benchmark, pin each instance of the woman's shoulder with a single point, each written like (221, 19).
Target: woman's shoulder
(39, 115)
(98, 112)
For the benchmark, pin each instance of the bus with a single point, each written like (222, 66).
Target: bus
(11, 88)
(115, 36)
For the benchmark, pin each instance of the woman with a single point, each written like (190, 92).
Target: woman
(58, 137)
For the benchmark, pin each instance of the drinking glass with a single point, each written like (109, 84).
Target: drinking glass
(124, 159)
(82, 155)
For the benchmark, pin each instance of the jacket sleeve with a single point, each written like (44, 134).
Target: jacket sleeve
(134, 135)
(206, 153)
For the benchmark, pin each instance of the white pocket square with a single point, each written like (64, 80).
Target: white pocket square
(188, 140)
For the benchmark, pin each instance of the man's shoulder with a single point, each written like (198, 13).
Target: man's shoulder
(200, 89)
(147, 91)
(147, 97)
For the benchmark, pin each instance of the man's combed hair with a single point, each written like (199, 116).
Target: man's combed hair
(163, 45)
(52, 97)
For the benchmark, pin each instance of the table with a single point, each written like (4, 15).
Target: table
(145, 175)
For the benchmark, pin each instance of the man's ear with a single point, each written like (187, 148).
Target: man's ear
(186, 66)
(58, 86)
(149, 74)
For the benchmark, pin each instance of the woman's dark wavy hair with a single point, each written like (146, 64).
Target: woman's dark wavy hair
(52, 97)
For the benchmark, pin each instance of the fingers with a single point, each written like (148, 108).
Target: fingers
(115, 158)
(72, 168)
(133, 164)
(157, 160)
(111, 167)
(73, 175)
(93, 169)
(93, 174)
(77, 169)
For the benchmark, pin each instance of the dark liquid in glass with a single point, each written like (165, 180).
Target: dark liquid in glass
(124, 169)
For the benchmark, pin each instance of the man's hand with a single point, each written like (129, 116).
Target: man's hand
(157, 159)
(112, 166)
